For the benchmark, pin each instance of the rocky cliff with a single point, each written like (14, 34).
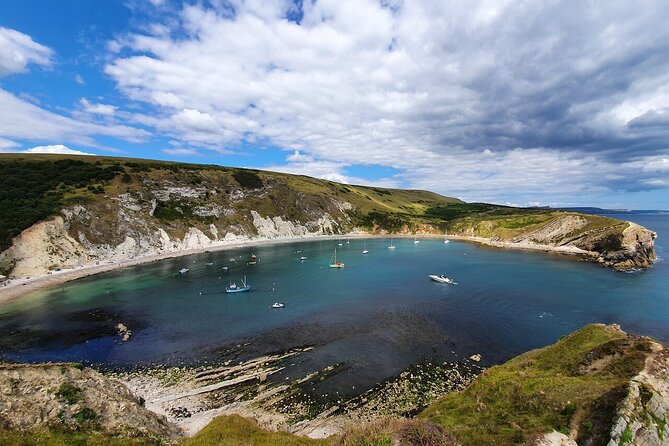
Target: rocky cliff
(59, 212)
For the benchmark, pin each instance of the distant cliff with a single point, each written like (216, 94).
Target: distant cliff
(60, 212)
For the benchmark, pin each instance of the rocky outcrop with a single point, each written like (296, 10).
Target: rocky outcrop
(38, 395)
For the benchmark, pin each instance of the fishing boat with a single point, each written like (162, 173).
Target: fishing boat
(391, 246)
(278, 305)
(441, 279)
(183, 270)
(233, 288)
(334, 263)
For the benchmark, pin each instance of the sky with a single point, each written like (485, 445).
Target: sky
(526, 103)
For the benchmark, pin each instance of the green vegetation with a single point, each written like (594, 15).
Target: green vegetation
(31, 191)
(86, 414)
(579, 378)
(69, 393)
(248, 179)
(235, 430)
(66, 437)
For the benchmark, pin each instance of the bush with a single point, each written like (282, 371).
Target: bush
(248, 179)
(84, 415)
(69, 393)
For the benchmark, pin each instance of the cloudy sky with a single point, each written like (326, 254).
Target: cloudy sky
(521, 102)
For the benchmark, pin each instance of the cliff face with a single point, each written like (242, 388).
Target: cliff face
(64, 213)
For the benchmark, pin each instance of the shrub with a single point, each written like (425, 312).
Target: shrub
(84, 415)
(248, 179)
(69, 393)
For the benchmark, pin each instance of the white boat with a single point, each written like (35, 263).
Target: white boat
(391, 245)
(416, 241)
(225, 268)
(303, 258)
(334, 263)
(364, 249)
(278, 305)
(183, 270)
(232, 259)
(441, 279)
(209, 263)
(348, 240)
(447, 241)
(233, 288)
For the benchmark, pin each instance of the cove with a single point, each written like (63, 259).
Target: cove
(373, 318)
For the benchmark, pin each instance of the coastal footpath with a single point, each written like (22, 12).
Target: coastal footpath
(596, 386)
(67, 213)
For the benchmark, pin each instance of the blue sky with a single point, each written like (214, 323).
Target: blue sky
(527, 103)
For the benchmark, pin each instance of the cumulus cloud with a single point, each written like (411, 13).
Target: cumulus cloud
(457, 95)
(55, 149)
(17, 50)
(23, 120)
(97, 109)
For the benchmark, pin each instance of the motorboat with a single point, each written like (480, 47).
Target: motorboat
(232, 259)
(441, 279)
(303, 258)
(278, 305)
(225, 268)
(254, 259)
(234, 288)
(447, 241)
(209, 263)
(183, 270)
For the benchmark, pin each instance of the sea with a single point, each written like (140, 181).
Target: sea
(371, 319)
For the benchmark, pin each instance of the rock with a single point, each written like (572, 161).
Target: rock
(477, 357)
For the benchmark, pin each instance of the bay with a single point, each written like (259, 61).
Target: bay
(373, 318)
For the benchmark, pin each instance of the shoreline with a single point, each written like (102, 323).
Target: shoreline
(14, 289)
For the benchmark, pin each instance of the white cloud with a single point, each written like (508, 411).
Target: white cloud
(22, 120)
(6, 145)
(180, 151)
(79, 79)
(56, 148)
(98, 109)
(17, 50)
(458, 96)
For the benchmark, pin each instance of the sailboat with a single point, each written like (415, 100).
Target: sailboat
(415, 240)
(348, 240)
(364, 248)
(391, 246)
(254, 259)
(335, 263)
(233, 288)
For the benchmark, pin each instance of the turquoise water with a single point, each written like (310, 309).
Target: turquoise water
(375, 317)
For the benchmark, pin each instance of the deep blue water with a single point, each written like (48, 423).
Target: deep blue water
(376, 316)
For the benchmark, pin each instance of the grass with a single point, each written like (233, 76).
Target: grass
(69, 393)
(235, 431)
(541, 390)
(66, 437)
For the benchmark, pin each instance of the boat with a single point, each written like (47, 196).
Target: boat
(232, 259)
(303, 258)
(225, 268)
(340, 244)
(183, 270)
(364, 249)
(391, 246)
(233, 288)
(416, 241)
(335, 263)
(254, 259)
(210, 263)
(441, 279)
(348, 240)
(447, 241)
(278, 305)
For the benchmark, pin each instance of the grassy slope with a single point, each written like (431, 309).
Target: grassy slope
(545, 389)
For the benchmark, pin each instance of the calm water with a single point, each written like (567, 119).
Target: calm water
(376, 316)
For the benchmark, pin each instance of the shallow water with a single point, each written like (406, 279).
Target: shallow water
(376, 316)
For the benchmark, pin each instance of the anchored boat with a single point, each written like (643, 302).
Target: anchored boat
(233, 288)
(334, 263)
(441, 279)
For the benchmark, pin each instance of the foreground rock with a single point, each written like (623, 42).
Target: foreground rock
(33, 396)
